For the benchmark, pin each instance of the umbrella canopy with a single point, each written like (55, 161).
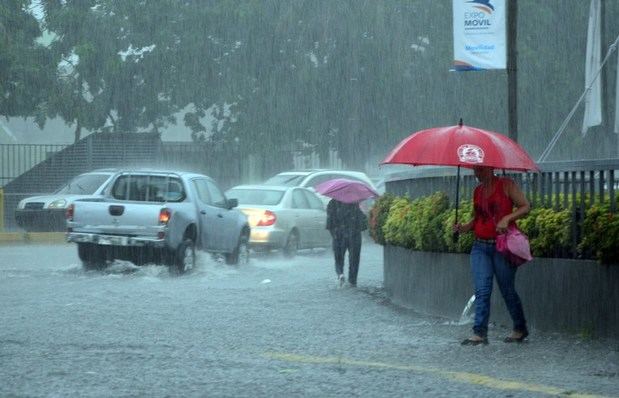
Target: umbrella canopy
(347, 191)
(462, 146)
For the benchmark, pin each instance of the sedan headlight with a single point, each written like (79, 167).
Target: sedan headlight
(58, 204)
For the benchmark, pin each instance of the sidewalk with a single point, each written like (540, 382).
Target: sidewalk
(8, 238)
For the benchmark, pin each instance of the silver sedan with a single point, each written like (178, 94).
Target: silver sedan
(286, 218)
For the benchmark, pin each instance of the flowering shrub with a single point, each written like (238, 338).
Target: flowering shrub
(378, 217)
(464, 242)
(548, 231)
(398, 227)
(601, 234)
(426, 224)
(429, 213)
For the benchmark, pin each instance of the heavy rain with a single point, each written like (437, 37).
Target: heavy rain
(165, 229)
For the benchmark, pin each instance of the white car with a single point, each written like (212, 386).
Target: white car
(282, 218)
(47, 212)
(311, 178)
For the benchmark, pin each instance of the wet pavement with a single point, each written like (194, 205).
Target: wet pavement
(275, 327)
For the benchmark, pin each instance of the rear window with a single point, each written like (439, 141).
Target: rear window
(85, 184)
(288, 180)
(148, 188)
(264, 197)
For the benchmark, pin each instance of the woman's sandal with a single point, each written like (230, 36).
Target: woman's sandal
(510, 339)
(470, 341)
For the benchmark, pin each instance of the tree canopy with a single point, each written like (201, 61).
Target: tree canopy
(26, 66)
(356, 76)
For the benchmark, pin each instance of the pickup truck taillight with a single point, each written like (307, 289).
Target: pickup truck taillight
(70, 212)
(268, 218)
(164, 216)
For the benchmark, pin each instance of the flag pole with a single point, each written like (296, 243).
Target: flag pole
(512, 64)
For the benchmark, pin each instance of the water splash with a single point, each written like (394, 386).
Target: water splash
(467, 314)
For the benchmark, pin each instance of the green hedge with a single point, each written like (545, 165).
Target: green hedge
(601, 234)
(378, 217)
(426, 224)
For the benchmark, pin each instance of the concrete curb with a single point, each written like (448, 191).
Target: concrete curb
(558, 294)
(32, 237)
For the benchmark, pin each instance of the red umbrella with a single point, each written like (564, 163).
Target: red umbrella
(463, 146)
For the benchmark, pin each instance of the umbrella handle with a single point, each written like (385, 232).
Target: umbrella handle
(456, 234)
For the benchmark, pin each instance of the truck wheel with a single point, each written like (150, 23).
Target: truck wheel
(92, 256)
(292, 245)
(240, 255)
(185, 257)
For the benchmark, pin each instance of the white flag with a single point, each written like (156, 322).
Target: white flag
(593, 99)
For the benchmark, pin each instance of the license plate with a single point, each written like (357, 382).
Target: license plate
(113, 240)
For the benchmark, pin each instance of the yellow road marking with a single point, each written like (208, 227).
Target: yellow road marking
(463, 377)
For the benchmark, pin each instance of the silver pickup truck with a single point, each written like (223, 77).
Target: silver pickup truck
(158, 216)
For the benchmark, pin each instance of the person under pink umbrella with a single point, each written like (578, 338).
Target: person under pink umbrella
(345, 222)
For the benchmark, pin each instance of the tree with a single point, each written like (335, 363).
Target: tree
(26, 72)
(356, 76)
(110, 74)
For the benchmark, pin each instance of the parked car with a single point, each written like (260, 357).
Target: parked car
(147, 215)
(311, 178)
(285, 218)
(47, 212)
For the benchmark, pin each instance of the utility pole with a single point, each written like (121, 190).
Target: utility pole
(512, 75)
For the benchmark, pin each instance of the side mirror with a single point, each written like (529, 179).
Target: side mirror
(232, 203)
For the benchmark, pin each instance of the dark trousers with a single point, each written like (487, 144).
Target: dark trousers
(352, 243)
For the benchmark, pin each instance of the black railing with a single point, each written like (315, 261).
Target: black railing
(569, 183)
(28, 169)
(16, 159)
(558, 185)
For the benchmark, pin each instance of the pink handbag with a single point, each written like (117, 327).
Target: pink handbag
(514, 245)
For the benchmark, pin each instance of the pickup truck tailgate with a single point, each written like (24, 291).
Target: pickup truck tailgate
(117, 218)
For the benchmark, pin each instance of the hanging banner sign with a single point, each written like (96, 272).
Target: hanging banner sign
(479, 34)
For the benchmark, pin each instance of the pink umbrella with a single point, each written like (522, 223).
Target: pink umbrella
(347, 191)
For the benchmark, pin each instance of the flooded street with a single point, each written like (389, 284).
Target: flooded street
(275, 327)
(231, 124)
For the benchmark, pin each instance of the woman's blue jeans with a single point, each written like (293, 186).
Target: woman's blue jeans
(486, 263)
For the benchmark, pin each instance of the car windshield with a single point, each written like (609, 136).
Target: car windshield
(85, 184)
(288, 180)
(264, 197)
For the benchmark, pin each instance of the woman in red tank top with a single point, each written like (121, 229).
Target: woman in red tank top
(497, 202)
(491, 204)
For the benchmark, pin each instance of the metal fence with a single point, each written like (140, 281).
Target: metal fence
(29, 170)
(40, 174)
(16, 159)
(558, 185)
